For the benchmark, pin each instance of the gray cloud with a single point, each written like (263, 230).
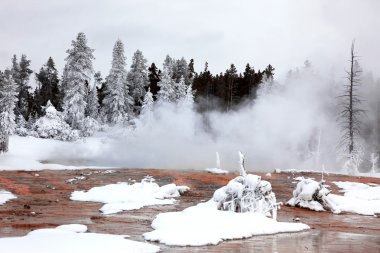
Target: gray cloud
(283, 33)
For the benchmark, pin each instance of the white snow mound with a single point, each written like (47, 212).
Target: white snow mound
(358, 198)
(123, 196)
(71, 238)
(237, 210)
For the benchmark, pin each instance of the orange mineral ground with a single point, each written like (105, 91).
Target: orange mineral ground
(43, 201)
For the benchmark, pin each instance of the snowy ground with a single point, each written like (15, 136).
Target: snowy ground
(123, 196)
(358, 198)
(203, 224)
(216, 171)
(30, 153)
(5, 196)
(72, 238)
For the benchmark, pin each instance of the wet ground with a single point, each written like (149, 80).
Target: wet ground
(43, 201)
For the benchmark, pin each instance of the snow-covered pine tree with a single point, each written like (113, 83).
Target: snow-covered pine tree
(49, 90)
(21, 126)
(117, 101)
(166, 84)
(20, 73)
(138, 79)
(180, 89)
(147, 107)
(189, 97)
(92, 107)
(52, 125)
(180, 70)
(8, 99)
(154, 78)
(169, 63)
(77, 74)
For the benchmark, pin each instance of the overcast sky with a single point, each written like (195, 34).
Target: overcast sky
(283, 33)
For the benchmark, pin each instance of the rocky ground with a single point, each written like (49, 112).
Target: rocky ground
(43, 201)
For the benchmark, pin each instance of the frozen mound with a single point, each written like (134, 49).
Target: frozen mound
(247, 194)
(123, 196)
(312, 195)
(237, 210)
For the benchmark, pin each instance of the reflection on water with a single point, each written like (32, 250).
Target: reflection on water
(310, 241)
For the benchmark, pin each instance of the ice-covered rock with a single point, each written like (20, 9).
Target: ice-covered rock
(312, 195)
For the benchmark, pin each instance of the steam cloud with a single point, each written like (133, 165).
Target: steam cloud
(280, 129)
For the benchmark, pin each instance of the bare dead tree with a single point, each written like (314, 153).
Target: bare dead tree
(351, 112)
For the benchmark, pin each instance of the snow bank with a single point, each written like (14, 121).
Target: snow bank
(5, 196)
(312, 195)
(71, 238)
(216, 171)
(204, 224)
(237, 210)
(358, 198)
(123, 196)
(30, 153)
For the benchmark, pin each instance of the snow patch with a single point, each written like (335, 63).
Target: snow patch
(72, 238)
(358, 198)
(77, 228)
(237, 210)
(5, 196)
(216, 171)
(204, 224)
(123, 196)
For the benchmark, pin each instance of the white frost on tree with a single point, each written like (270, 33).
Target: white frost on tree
(21, 126)
(181, 69)
(138, 79)
(92, 108)
(147, 108)
(169, 63)
(53, 126)
(77, 74)
(8, 99)
(117, 102)
(247, 193)
(89, 126)
(166, 93)
(180, 90)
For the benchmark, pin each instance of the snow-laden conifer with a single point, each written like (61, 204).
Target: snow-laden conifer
(180, 89)
(147, 108)
(166, 84)
(20, 73)
(77, 76)
(138, 79)
(117, 102)
(8, 99)
(92, 109)
(53, 126)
